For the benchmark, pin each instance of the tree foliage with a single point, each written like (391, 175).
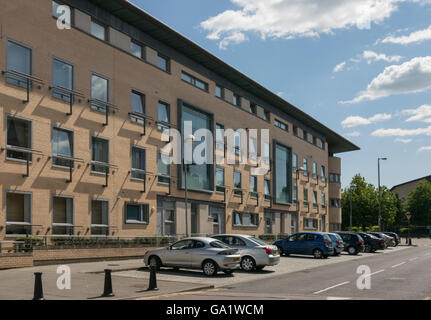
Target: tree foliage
(419, 204)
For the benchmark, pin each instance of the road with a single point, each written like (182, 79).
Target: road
(403, 274)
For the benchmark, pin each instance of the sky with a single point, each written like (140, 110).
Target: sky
(362, 68)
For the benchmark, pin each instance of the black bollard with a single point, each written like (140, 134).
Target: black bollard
(153, 280)
(107, 291)
(38, 290)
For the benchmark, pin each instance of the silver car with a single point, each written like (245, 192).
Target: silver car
(255, 253)
(207, 254)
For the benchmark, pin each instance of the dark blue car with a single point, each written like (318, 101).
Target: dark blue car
(316, 244)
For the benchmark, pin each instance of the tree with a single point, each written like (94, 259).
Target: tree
(419, 204)
(365, 204)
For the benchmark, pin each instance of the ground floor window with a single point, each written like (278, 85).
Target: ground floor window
(243, 219)
(166, 218)
(99, 217)
(62, 215)
(137, 213)
(217, 216)
(311, 224)
(334, 227)
(18, 213)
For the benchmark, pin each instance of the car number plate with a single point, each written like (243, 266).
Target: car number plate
(275, 252)
(235, 259)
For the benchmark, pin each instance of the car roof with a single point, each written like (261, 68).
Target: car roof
(204, 239)
(232, 235)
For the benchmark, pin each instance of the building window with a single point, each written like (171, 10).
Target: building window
(137, 213)
(219, 137)
(311, 224)
(266, 153)
(99, 217)
(137, 100)
(237, 185)
(199, 176)
(62, 215)
(314, 170)
(245, 219)
(280, 125)
(237, 142)
(323, 173)
(220, 183)
(335, 203)
(163, 62)
(194, 81)
(163, 116)
(252, 141)
(295, 193)
(19, 59)
(19, 135)
(305, 166)
(219, 92)
(62, 77)
(100, 154)
(164, 168)
(294, 162)
(323, 195)
(266, 116)
(138, 163)
(137, 50)
(253, 187)
(334, 178)
(62, 147)
(237, 100)
(282, 174)
(18, 213)
(165, 218)
(99, 31)
(305, 193)
(253, 108)
(315, 199)
(99, 91)
(267, 189)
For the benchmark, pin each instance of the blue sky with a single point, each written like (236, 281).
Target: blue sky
(379, 95)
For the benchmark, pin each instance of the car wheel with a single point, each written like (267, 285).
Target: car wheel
(209, 268)
(367, 249)
(325, 256)
(248, 264)
(154, 261)
(318, 254)
(352, 251)
(228, 271)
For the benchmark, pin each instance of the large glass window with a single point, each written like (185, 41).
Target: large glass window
(19, 58)
(18, 213)
(199, 176)
(245, 219)
(99, 91)
(137, 50)
(62, 145)
(237, 184)
(99, 217)
(164, 168)
(220, 184)
(62, 215)
(100, 153)
(62, 76)
(138, 163)
(99, 31)
(137, 213)
(163, 116)
(18, 135)
(282, 174)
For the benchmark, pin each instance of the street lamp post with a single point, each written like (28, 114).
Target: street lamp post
(190, 138)
(298, 170)
(380, 208)
(409, 216)
(351, 207)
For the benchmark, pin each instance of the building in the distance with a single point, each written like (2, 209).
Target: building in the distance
(403, 189)
(82, 111)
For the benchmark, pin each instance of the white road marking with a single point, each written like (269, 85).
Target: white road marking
(371, 274)
(338, 298)
(337, 285)
(413, 259)
(399, 264)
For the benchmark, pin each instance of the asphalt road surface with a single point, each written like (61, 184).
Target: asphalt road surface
(404, 274)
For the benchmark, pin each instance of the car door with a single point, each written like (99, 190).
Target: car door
(179, 254)
(310, 243)
(301, 244)
(198, 254)
(289, 245)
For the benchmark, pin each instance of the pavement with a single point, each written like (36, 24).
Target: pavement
(130, 279)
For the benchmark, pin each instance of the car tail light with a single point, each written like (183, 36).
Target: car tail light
(337, 242)
(325, 243)
(380, 241)
(360, 241)
(268, 250)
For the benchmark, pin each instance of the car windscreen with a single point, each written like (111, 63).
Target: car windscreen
(219, 244)
(258, 241)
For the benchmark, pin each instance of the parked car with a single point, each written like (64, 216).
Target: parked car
(208, 254)
(395, 236)
(255, 253)
(372, 243)
(353, 242)
(337, 243)
(388, 240)
(317, 244)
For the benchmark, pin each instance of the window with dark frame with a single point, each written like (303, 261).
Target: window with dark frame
(20, 59)
(100, 153)
(163, 62)
(220, 183)
(62, 77)
(62, 215)
(137, 213)
(99, 30)
(243, 219)
(237, 184)
(137, 50)
(253, 187)
(99, 217)
(194, 81)
(163, 115)
(237, 100)
(164, 168)
(138, 163)
(267, 189)
(219, 92)
(266, 115)
(253, 108)
(18, 222)
(280, 125)
(62, 145)
(99, 91)
(19, 134)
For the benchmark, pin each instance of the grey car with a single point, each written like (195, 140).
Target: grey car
(255, 254)
(207, 254)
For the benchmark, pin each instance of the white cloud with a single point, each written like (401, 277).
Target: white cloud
(401, 132)
(414, 37)
(405, 141)
(421, 149)
(410, 77)
(353, 134)
(372, 56)
(354, 121)
(289, 19)
(423, 114)
(339, 67)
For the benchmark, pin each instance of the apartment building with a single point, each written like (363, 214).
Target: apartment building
(82, 114)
